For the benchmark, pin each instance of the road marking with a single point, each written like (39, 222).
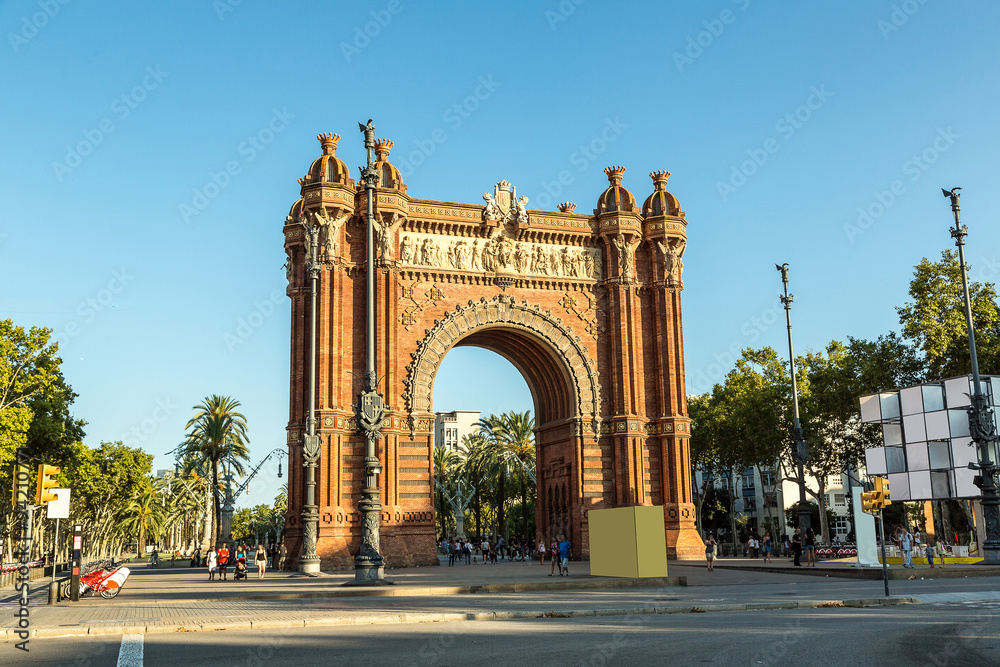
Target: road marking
(130, 654)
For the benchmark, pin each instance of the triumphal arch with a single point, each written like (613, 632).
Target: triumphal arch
(586, 306)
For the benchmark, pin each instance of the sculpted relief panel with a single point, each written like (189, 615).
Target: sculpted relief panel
(498, 254)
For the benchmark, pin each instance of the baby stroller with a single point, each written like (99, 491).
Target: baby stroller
(241, 569)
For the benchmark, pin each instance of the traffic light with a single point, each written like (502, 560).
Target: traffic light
(45, 482)
(882, 487)
(868, 502)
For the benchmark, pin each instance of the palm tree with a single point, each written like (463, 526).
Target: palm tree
(518, 434)
(495, 461)
(474, 451)
(144, 515)
(217, 432)
(445, 462)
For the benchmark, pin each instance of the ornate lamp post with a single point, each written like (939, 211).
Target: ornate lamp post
(309, 560)
(800, 450)
(981, 425)
(368, 564)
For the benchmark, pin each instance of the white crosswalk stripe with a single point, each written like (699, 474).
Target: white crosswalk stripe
(130, 654)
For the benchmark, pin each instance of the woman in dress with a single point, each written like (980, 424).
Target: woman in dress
(767, 546)
(553, 556)
(213, 563)
(260, 558)
(541, 551)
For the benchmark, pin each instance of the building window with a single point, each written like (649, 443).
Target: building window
(838, 500)
(841, 526)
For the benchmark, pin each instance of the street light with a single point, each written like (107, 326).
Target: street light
(982, 428)
(368, 564)
(800, 450)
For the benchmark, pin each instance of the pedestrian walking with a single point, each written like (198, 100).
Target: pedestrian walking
(767, 546)
(213, 564)
(564, 547)
(797, 547)
(541, 551)
(929, 550)
(467, 551)
(196, 558)
(710, 547)
(452, 551)
(260, 559)
(553, 556)
(223, 561)
(282, 555)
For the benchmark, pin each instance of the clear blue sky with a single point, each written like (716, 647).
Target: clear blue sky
(116, 115)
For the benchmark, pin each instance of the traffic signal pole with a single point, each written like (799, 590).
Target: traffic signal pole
(885, 565)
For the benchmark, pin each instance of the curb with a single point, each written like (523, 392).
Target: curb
(404, 591)
(444, 617)
(873, 572)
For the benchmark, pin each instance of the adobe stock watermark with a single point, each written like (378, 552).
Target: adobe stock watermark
(750, 331)
(454, 116)
(30, 25)
(88, 309)
(246, 326)
(246, 152)
(139, 433)
(363, 36)
(121, 108)
(562, 12)
(786, 127)
(913, 168)
(704, 39)
(223, 7)
(899, 16)
(581, 158)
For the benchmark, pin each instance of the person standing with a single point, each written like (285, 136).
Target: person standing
(553, 556)
(450, 546)
(906, 544)
(213, 563)
(710, 551)
(541, 551)
(810, 547)
(767, 546)
(797, 547)
(929, 550)
(942, 551)
(260, 558)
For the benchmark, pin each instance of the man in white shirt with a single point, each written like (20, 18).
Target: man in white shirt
(906, 544)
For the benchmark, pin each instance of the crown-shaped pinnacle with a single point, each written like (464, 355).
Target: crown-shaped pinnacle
(660, 178)
(329, 142)
(383, 146)
(567, 207)
(615, 174)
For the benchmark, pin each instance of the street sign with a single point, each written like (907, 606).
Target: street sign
(59, 508)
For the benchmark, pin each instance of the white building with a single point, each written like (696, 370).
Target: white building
(451, 427)
(758, 496)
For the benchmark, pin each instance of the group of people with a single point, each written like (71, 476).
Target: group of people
(463, 550)
(219, 561)
(905, 541)
(756, 546)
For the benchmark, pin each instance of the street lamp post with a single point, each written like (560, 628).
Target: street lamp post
(368, 564)
(800, 450)
(981, 425)
(309, 560)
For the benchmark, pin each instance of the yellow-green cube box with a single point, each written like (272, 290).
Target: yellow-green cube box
(627, 542)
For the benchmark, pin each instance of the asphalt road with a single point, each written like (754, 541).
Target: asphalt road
(933, 634)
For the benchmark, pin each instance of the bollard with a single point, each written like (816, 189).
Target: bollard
(53, 592)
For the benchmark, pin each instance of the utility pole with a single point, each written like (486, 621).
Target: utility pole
(981, 425)
(800, 450)
(368, 564)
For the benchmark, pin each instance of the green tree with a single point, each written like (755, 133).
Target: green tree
(934, 321)
(217, 432)
(144, 516)
(446, 460)
(518, 437)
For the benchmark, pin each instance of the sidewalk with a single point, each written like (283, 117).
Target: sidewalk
(183, 600)
(849, 568)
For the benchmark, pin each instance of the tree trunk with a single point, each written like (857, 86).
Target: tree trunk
(206, 540)
(218, 507)
(824, 527)
(501, 494)
(524, 504)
